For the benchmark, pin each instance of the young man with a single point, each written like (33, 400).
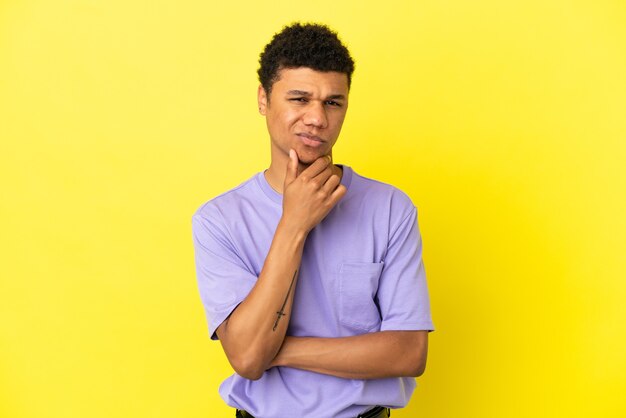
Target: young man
(311, 275)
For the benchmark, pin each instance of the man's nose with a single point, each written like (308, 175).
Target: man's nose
(316, 115)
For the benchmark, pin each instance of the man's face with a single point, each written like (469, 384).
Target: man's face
(305, 111)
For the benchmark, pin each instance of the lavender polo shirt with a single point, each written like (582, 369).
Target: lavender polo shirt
(361, 272)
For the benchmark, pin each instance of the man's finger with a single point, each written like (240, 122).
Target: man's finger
(317, 167)
(292, 167)
(331, 184)
(323, 176)
(338, 193)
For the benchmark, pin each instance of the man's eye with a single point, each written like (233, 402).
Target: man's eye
(333, 103)
(298, 99)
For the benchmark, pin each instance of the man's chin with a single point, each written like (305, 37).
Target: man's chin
(307, 158)
(305, 162)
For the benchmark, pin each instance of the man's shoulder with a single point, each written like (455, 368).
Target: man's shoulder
(229, 199)
(376, 191)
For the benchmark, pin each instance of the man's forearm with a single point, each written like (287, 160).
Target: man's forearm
(368, 356)
(254, 332)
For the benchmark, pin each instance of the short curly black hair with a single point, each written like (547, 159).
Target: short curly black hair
(310, 45)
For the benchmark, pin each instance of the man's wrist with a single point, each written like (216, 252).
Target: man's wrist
(279, 359)
(290, 229)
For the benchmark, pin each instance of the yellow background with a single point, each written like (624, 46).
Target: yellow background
(505, 121)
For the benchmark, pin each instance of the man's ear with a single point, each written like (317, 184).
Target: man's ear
(262, 100)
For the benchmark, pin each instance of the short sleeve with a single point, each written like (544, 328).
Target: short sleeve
(223, 279)
(402, 293)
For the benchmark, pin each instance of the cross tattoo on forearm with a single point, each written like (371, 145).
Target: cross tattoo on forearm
(282, 313)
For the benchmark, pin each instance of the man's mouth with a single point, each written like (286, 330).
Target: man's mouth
(310, 137)
(311, 141)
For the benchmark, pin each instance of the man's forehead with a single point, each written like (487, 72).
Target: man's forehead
(309, 81)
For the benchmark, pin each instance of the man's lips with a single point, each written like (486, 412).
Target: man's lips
(310, 137)
(311, 141)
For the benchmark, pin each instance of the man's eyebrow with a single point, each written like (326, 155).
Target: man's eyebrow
(298, 93)
(308, 94)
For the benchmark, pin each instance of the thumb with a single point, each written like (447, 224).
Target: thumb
(292, 167)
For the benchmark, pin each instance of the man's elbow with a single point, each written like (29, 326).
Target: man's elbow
(416, 361)
(418, 354)
(254, 374)
(248, 367)
(247, 362)
(419, 369)
(414, 368)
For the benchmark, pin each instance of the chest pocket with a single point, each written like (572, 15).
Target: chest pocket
(358, 284)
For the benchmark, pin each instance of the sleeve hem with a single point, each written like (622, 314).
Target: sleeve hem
(416, 326)
(219, 318)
